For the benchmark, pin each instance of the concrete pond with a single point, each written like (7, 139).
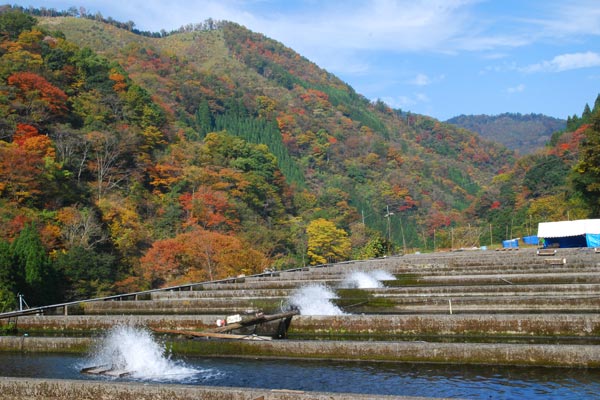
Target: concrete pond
(508, 311)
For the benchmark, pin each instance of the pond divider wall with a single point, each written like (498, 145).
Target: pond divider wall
(59, 389)
(585, 356)
(554, 325)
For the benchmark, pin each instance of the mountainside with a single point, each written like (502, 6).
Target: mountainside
(325, 125)
(522, 133)
(133, 161)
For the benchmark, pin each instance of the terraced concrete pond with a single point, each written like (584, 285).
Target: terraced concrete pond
(428, 380)
(479, 325)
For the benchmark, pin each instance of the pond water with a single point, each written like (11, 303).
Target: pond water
(481, 382)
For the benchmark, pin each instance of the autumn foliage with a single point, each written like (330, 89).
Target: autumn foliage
(35, 95)
(196, 256)
(147, 162)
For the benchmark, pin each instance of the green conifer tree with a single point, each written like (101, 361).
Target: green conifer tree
(586, 116)
(204, 119)
(32, 264)
(8, 284)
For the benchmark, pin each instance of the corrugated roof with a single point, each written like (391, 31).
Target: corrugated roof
(568, 228)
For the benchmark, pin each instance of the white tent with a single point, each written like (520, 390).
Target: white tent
(578, 233)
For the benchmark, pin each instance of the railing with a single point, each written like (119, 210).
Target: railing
(118, 297)
(135, 295)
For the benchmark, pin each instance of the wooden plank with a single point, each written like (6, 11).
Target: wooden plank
(117, 373)
(96, 370)
(106, 370)
(254, 321)
(212, 334)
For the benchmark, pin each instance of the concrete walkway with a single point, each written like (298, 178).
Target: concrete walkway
(59, 389)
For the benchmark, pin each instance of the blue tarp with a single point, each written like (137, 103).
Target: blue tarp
(577, 233)
(510, 243)
(533, 240)
(569, 241)
(593, 239)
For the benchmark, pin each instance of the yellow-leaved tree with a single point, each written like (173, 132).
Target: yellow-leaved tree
(326, 242)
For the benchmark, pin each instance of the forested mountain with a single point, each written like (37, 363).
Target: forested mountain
(522, 133)
(132, 161)
(556, 183)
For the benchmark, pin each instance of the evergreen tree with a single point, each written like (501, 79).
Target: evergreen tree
(596, 104)
(573, 123)
(86, 273)
(261, 131)
(587, 114)
(33, 266)
(204, 118)
(7, 280)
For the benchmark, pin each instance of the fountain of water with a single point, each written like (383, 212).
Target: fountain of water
(315, 299)
(134, 350)
(382, 275)
(366, 280)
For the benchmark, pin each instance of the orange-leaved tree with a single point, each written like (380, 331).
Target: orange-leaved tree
(196, 256)
(25, 164)
(209, 208)
(36, 97)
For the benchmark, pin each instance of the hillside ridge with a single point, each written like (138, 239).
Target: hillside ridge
(524, 133)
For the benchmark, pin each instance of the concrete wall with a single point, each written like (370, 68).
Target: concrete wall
(587, 356)
(552, 325)
(49, 389)
(539, 325)
(28, 344)
(99, 323)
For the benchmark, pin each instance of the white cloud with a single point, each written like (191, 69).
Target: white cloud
(566, 62)
(406, 101)
(422, 98)
(570, 18)
(373, 25)
(421, 80)
(516, 89)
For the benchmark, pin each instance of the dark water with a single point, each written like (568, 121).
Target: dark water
(356, 377)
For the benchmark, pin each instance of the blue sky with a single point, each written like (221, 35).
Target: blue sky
(436, 57)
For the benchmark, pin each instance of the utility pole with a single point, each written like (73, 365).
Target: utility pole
(403, 241)
(388, 215)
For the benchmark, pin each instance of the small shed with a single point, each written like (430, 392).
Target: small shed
(510, 244)
(578, 233)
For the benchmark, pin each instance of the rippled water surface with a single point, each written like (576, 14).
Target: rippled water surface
(356, 377)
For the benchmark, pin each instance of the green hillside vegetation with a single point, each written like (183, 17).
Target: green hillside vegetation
(522, 133)
(556, 183)
(132, 161)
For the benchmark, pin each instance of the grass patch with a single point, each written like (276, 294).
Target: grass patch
(403, 280)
